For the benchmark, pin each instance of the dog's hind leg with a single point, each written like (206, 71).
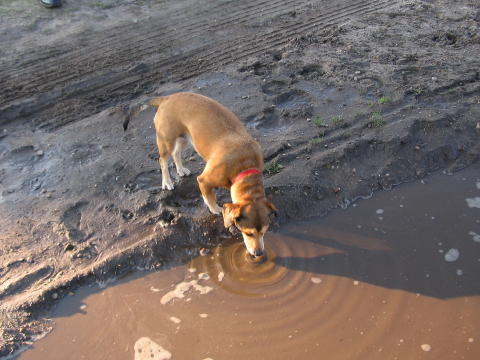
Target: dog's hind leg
(164, 153)
(180, 144)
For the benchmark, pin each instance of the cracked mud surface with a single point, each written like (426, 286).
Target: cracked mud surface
(345, 98)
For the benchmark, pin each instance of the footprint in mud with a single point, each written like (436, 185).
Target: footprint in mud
(70, 222)
(274, 87)
(264, 65)
(258, 68)
(23, 156)
(147, 180)
(85, 153)
(293, 99)
(370, 82)
(445, 38)
(311, 72)
(268, 118)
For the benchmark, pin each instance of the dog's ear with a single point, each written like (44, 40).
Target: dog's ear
(272, 208)
(231, 213)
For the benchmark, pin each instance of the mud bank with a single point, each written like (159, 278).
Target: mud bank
(345, 99)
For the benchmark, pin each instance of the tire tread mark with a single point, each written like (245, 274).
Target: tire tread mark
(222, 54)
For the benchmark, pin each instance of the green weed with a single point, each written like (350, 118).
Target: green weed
(384, 100)
(273, 168)
(319, 122)
(376, 119)
(418, 91)
(315, 141)
(337, 120)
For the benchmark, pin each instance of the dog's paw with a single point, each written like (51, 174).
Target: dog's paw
(216, 210)
(183, 172)
(167, 186)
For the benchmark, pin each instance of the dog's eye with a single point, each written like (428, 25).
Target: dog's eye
(249, 233)
(239, 218)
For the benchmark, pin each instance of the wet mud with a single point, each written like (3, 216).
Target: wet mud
(392, 277)
(345, 98)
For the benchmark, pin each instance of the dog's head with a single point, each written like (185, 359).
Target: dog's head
(253, 220)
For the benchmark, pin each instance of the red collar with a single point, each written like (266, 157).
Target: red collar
(245, 173)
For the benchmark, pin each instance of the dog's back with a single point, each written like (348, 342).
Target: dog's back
(210, 125)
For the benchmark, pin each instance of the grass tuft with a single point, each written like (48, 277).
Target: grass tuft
(376, 119)
(337, 120)
(319, 122)
(315, 141)
(384, 100)
(273, 168)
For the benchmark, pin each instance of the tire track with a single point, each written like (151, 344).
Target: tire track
(200, 59)
(155, 37)
(274, 39)
(144, 48)
(141, 35)
(275, 35)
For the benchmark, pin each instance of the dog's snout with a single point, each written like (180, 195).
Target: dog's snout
(258, 252)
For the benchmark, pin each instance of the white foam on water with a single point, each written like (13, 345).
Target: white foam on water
(316, 280)
(182, 288)
(459, 272)
(221, 275)
(154, 289)
(478, 185)
(452, 255)
(203, 316)
(380, 211)
(203, 276)
(475, 236)
(147, 349)
(473, 202)
(426, 347)
(175, 320)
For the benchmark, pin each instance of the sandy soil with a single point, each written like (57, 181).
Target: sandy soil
(346, 97)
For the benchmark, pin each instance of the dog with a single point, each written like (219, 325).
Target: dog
(233, 160)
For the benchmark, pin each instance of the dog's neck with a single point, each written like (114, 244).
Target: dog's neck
(248, 189)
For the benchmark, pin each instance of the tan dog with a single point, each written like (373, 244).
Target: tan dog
(233, 160)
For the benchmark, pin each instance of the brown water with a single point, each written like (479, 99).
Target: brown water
(379, 280)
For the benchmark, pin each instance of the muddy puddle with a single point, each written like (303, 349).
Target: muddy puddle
(392, 277)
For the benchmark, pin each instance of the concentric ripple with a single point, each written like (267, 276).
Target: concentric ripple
(293, 298)
(233, 269)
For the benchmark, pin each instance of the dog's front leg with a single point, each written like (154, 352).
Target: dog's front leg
(167, 183)
(208, 196)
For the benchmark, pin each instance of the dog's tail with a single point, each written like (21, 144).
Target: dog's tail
(138, 108)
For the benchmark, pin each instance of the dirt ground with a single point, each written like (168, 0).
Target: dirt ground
(346, 97)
